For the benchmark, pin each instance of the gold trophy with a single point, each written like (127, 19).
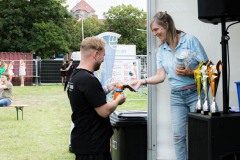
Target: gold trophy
(198, 79)
(214, 75)
(205, 85)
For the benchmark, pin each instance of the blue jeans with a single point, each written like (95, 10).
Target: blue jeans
(4, 102)
(182, 102)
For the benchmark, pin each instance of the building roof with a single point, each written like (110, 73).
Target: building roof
(82, 5)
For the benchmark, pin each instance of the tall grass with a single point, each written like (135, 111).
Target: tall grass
(43, 134)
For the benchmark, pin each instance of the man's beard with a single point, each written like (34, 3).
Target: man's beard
(97, 66)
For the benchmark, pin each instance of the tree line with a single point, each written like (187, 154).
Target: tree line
(46, 28)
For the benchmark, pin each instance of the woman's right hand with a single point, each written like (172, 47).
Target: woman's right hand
(136, 84)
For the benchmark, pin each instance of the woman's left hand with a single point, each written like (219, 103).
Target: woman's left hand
(184, 72)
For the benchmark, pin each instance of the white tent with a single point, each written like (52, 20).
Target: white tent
(185, 15)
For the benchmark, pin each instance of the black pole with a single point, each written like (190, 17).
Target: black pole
(224, 69)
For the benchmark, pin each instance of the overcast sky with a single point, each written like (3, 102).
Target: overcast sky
(101, 6)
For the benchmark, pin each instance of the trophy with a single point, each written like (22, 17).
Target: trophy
(198, 79)
(214, 75)
(205, 86)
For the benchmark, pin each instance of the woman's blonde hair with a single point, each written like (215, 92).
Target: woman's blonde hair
(165, 20)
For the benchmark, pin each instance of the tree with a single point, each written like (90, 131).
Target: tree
(49, 40)
(13, 26)
(73, 34)
(93, 27)
(34, 26)
(125, 20)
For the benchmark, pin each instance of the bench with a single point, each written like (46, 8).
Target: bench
(19, 107)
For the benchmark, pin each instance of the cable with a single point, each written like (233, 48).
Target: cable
(231, 25)
(227, 38)
(228, 69)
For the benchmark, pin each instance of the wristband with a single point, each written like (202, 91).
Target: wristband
(145, 81)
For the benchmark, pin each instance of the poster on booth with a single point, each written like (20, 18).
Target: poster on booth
(104, 74)
(126, 70)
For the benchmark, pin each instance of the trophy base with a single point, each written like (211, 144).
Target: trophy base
(214, 114)
(205, 112)
(198, 110)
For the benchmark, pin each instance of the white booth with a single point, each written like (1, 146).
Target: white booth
(185, 16)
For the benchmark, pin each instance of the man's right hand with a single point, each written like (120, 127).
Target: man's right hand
(121, 98)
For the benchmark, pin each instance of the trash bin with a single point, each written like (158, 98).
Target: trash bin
(129, 140)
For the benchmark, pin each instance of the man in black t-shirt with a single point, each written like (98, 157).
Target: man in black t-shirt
(90, 137)
(69, 69)
(63, 72)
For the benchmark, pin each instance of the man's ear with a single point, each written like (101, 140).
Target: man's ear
(95, 54)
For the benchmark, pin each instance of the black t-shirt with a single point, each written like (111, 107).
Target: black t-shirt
(71, 69)
(63, 73)
(68, 74)
(91, 133)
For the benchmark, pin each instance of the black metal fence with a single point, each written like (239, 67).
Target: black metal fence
(48, 71)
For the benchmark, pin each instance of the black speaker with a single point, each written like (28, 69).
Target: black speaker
(214, 138)
(212, 11)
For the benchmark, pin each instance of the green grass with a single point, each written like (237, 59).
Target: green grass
(44, 132)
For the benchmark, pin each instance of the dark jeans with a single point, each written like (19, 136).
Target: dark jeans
(103, 156)
(66, 82)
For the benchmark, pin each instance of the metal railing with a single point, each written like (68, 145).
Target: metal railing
(48, 71)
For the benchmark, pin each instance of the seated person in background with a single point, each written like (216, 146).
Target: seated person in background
(5, 90)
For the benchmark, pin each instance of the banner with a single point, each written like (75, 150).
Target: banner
(104, 74)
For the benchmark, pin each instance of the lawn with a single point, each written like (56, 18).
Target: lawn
(43, 134)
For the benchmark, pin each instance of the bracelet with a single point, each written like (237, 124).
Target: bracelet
(145, 81)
